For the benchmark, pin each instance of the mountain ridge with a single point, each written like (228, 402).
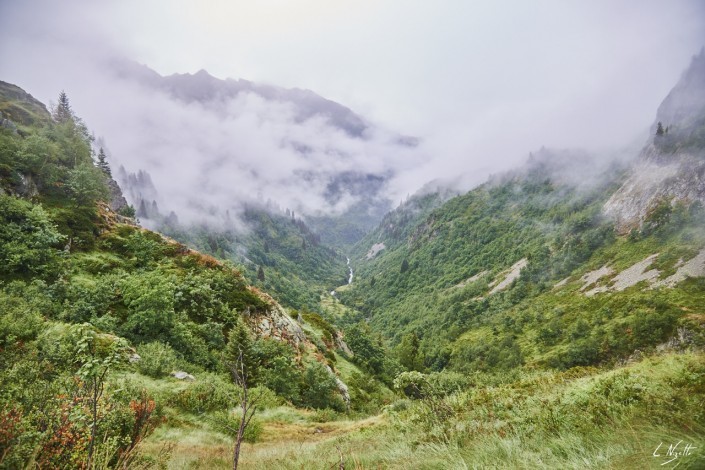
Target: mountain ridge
(670, 169)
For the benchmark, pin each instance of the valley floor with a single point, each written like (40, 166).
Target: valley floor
(623, 418)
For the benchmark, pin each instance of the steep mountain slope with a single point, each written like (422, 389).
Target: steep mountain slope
(277, 250)
(436, 281)
(671, 168)
(279, 253)
(527, 330)
(528, 268)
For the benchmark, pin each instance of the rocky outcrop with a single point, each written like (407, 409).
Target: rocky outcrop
(181, 375)
(471, 279)
(342, 387)
(376, 248)
(640, 272)
(592, 277)
(671, 167)
(341, 345)
(685, 103)
(110, 217)
(117, 200)
(656, 178)
(629, 277)
(693, 268)
(505, 279)
(275, 323)
(27, 187)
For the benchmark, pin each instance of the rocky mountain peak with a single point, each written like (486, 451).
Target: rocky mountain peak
(671, 166)
(685, 104)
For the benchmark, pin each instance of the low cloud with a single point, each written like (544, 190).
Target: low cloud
(481, 85)
(208, 157)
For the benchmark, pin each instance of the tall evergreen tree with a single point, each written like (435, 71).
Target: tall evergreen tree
(103, 163)
(63, 112)
(142, 210)
(404, 266)
(240, 353)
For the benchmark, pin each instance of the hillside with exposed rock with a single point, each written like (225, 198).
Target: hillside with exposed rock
(670, 171)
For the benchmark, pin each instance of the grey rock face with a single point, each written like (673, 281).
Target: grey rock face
(675, 178)
(27, 188)
(277, 324)
(686, 101)
(117, 200)
(671, 167)
(181, 375)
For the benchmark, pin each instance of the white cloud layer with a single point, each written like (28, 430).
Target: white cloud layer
(481, 83)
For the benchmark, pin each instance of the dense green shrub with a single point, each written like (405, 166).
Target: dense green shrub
(157, 359)
(28, 240)
(228, 422)
(283, 377)
(319, 389)
(209, 392)
(149, 296)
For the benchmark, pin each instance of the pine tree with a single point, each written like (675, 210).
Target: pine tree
(260, 274)
(659, 129)
(103, 163)
(63, 112)
(404, 266)
(240, 351)
(142, 210)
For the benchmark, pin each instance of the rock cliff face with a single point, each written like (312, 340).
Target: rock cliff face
(275, 323)
(686, 101)
(117, 200)
(671, 167)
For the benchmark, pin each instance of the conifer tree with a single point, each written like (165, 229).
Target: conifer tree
(409, 353)
(63, 112)
(142, 210)
(659, 129)
(240, 353)
(103, 163)
(404, 266)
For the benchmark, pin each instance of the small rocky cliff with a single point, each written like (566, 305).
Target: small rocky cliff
(671, 167)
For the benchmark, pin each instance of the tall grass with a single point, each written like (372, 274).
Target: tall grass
(584, 418)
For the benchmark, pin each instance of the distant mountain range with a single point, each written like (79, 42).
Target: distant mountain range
(339, 161)
(206, 89)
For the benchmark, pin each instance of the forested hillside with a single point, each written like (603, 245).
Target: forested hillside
(479, 280)
(566, 262)
(278, 253)
(97, 313)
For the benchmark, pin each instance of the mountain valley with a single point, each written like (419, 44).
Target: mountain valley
(551, 317)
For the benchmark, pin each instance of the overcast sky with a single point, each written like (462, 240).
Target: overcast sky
(481, 83)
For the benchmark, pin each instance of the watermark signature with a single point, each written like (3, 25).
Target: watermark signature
(674, 452)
